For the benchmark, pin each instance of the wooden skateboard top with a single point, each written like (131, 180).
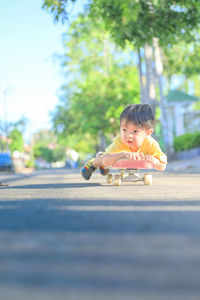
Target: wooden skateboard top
(132, 164)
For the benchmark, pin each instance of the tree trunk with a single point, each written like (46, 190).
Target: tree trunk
(142, 82)
(150, 78)
(159, 71)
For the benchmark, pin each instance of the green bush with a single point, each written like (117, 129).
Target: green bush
(187, 141)
(30, 163)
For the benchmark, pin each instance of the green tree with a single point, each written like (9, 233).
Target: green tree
(46, 146)
(101, 86)
(14, 129)
(43, 152)
(143, 23)
(184, 65)
(186, 62)
(149, 24)
(139, 21)
(17, 141)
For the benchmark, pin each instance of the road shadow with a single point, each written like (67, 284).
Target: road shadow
(52, 186)
(66, 215)
(98, 245)
(20, 176)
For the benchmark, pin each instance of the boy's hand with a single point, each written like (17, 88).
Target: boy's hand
(157, 164)
(151, 159)
(134, 155)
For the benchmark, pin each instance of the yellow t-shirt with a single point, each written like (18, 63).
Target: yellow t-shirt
(149, 147)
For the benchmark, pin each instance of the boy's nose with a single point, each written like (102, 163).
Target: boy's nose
(130, 134)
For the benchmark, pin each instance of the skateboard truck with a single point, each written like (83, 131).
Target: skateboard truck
(128, 172)
(129, 176)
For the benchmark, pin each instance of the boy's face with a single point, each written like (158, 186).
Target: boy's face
(133, 135)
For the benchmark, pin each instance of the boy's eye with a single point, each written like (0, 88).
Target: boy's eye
(124, 129)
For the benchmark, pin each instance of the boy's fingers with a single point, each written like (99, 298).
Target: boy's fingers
(142, 156)
(139, 157)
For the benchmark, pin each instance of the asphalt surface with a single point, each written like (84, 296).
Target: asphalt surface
(65, 238)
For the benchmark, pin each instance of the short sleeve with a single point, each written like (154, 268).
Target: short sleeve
(157, 152)
(115, 147)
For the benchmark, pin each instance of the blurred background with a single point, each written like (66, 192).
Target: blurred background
(69, 68)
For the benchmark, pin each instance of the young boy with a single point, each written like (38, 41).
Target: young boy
(134, 142)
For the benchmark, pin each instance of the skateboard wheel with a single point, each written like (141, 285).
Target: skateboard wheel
(122, 175)
(147, 179)
(109, 178)
(117, 179)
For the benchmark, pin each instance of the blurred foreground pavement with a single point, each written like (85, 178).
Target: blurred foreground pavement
(65, 238)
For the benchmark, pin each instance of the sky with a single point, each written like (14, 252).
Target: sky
(29, 74)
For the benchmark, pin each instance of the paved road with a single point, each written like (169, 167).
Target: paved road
(64, 238)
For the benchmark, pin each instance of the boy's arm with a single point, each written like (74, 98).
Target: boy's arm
(156, 156)
(160, 166)
(110, 158)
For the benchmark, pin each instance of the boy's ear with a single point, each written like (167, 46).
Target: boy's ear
(149, 131)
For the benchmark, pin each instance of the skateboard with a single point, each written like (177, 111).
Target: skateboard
(128, 171)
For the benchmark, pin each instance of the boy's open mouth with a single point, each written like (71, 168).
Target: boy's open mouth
(130, 142)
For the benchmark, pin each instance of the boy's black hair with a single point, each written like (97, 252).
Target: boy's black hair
(139, 114)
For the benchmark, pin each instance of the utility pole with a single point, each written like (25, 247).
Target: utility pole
(5, 124)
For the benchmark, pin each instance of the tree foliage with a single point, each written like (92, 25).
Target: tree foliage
(45, 146)
(139, 21)
(102, 83)
(182, 58)
(59, 8)
(173, 24)
(17, 141)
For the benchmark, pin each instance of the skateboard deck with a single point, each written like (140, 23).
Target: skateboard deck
(128, 171)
